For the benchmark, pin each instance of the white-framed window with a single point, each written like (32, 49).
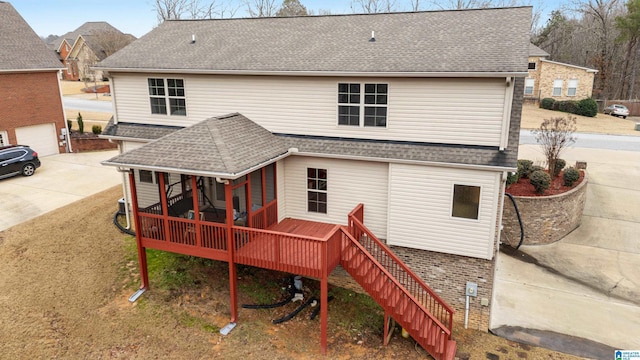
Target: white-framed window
(557, 87)
(528, 86)
(151, 177)
(317, 190)
(362, 104)
(4, 139)
(572, 87)
(466, 201)
(167, 96)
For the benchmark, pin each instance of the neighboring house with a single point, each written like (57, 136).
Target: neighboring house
(77, 58)
(291, 123)
(30, 98)
(559, 81)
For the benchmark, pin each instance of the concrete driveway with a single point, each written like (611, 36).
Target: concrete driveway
(61, 180)
(586, 285)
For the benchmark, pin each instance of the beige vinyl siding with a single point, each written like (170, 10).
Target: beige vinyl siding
(437, 110)
(348, 184)
(420, 202)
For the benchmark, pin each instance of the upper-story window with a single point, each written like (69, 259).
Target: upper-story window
(572, 87)
(528, 86)
(532, 66)
(557, 88)
(362, 104)
(167, 96)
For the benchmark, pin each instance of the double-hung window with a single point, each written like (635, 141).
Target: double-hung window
(572, 87)
(167, 96)
(528, 86)
(466, 201)
(317, 190)
(557, 88)
(362, 104)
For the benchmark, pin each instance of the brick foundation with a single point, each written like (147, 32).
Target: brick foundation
(84, 143)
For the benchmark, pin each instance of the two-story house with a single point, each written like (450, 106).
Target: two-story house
(30, 98)
(556, 80)
(398, 128)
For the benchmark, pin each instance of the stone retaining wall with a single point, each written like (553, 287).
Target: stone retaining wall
(546, 219)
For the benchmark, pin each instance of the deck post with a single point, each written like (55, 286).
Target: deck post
(233, 286)
(142, 252)
(324, 297)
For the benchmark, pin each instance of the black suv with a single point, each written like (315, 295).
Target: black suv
(18, 159)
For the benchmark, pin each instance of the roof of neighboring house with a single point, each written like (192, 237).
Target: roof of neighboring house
(20, 47)
(536, 51)
(171, 145)
(88, 28)
(479, 42)
(569, 65)
(227, 146)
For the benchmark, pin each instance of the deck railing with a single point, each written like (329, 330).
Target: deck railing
(405, 276)
(265, 216)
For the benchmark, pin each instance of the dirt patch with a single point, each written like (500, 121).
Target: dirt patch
(66, 277)
(524, 188)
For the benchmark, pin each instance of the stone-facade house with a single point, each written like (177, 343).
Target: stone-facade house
(559, 81)
(30, 98)
(301, 119)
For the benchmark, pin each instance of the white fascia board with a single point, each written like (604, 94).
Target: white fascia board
(468, 74)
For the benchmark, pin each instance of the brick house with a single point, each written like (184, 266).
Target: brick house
(30, 97)
(398, 128)
(559, 81)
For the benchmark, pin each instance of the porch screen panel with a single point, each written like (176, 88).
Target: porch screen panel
(256, 190)
(271, 182)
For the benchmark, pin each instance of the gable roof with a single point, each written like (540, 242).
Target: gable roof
(536, 51)
(88, 28)
(226, 146)
(481, 42)
(21, 49)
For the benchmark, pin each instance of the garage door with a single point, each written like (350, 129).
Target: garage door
(41, 138)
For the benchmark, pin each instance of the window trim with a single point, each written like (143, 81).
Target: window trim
(453, 187)
(553, 89)
(533, 85)
(575, 88)
(4, 138)
(362, 105)
(166, 97)
(318, 191)
(534, 65)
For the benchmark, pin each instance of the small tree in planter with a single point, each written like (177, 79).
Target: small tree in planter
(80, 123)
(554, 135)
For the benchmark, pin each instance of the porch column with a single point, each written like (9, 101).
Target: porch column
(233, 286)
(324, 298)
(142, 252)
(196, 210)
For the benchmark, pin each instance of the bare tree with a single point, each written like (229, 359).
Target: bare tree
(415, 5)
(261, 8)
(292, 8)
(373, 6)
(554, 135)
(170, 9)
(193, 9)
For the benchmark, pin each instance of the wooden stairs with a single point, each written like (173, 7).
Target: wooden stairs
(401, 293)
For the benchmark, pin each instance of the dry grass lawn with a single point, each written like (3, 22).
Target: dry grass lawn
(533, 116)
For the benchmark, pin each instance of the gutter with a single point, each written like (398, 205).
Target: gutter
(402, 74)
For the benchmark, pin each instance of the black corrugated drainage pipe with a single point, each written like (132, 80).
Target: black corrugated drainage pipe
(515, 206)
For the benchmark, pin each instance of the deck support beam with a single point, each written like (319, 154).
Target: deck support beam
(142, 252)
(233, 278)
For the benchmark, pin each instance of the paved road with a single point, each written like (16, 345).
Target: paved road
(79, 103)
(61, 180)
(593, 141)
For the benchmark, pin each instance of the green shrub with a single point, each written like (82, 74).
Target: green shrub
(96, 129)
(547, 103)
(540, 181)
(588, 107)
(512, 177)
(560, 164)
(568, 106)
(524, 168)
(80, 123)
(535, 168)
(570, 176)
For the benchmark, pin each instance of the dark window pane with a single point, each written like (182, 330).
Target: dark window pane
(322, 185)
(322, 173)
(322, 197)
(311, 172)
(466, 201)
(354, 99)
(369, 111)
(343, 98)
(382, 88)
(369, 88)
(158, 106)
(369, 99)
(312, 196)
(381, 99)
(178, 106)
(322, 208)
(354, 88)
(343, 88)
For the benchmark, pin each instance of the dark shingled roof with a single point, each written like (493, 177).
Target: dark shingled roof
(221, 146)
(179, 150)
(536, 51)
(88, 28)
(20, 47)
(458, 41)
